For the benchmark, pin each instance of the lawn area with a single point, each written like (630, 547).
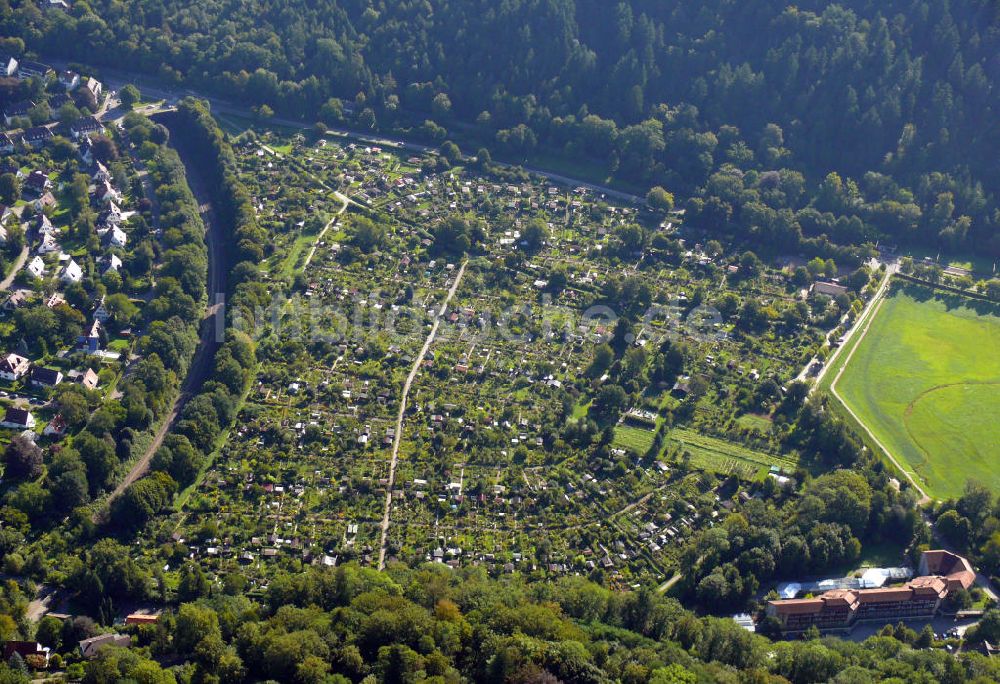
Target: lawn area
(926, 381)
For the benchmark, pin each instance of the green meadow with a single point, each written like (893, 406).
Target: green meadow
(926, 381)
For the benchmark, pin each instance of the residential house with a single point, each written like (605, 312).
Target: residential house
(17, 110)
(13, 367)
(89, 648)
(48, 244)
(36, 267)
(3, 235)
(112, 216)
(90, 341)
(28, 69)
(28, 650)
(85, 126)
(85, 148)
(106, 193)
(830, 289)
(71, 273)
(69, 79)
(58, 101)
(55, 4)
(101, 312)
(18, 419)
(55, 427)
(94, 86)
(37, 183)
(17, 299)
(110, 263)
(47, 377)
(46, 200)
(6, 144)
(88, 378)
(8, 66)
(100, 173)
(36, 136)
(43, 225)
(114, 237)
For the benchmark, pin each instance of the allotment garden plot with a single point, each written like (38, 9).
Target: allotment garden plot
(511, 455)
(926, 380)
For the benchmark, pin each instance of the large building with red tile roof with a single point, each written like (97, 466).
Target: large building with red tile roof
(942, 572)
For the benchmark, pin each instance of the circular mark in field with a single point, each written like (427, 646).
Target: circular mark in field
(953, 427)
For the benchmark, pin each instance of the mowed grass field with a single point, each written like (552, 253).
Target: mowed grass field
(926, 381)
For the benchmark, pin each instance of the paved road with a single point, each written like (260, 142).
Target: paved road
(117, 78)
(402, 410)
(863, 317)
(18, 265)
(803, 375)
(860, 329)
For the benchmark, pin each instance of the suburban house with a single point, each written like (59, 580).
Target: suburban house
(43, 225)
(48, 244)
(71, 273)
(88, 378)
(110, 263)
(17, 299)
(6, 144)
(55, 427)
(94, 86)
(85, 148)
(85, 126)
(114, 237)
(69, 79)
(91, 339)
(101, 312)
(37, 183)
(13, 367)
(8, 66)
(89, 648)
(33, 653)
(46, 200)
(37, 136)
(18, 419)
(47, 377)
(106, 193)
(102, 174)
(28, 69)
(828, 288)
(17, 110)
(36, 267)
(840, 609)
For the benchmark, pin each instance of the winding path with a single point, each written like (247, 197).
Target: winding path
(312, 250)
(402, 410)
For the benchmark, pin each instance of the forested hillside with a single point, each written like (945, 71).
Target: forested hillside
(854, 121)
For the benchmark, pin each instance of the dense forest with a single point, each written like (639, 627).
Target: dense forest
(429, 624)
(788, 125)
